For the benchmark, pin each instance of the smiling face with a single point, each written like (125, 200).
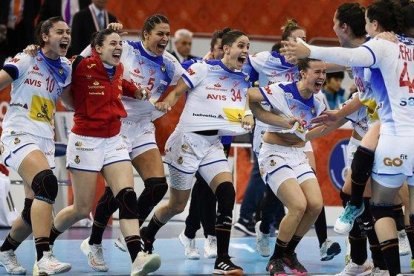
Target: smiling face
(111, 49)
(314, 76)
(157, 39)
(236, 54)
(57, 40)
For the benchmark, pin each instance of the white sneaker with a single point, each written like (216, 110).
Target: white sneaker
(329, 250)
(210, 247)
(378, 272)
(145, 263)
(262, 241)
(95, 255)
(49, 265)
(403, 243)
(9, 261)
(345, 221)
(352, 269)
(191, 251)
(120, 243)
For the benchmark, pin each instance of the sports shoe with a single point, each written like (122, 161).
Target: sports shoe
(329, 250)
(276, 267)
(345, 222)
(95, 255)
(246, 226)
(147, 243)
(403, 243)
(378, 272)
(9, 261)
(210, 247)
(291, 261)
(145, 263)
(352, 269)
(190, 249)
(262, 241)
(120, 243)
(48, 265)
(225, 266)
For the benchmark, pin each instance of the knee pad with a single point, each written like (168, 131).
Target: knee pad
(399, 217)
(26, 211)
(362, 165)
(226, 196)
(128, 205)
(345, 198)
(379, 212)
(45, 186)
(108, 202)
(156, 187)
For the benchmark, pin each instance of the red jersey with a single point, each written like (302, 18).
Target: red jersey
(97, 98)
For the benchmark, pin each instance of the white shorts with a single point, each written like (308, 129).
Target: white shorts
(17, 146)
(351, 148)
(139, 137)
(394, 161)
(189, 153)
(93, 153)
(279, 163)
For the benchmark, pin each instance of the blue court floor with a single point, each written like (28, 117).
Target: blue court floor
(242, 249)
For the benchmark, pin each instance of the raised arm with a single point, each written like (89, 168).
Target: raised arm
(172, 97)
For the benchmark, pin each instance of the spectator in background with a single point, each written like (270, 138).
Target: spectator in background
(16, 26)
(334, 93)
(64, 8)
(183, 40)
(88, 21)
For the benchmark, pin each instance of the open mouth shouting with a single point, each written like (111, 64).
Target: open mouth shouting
(64, 45)
(318, 85)
(116, 55)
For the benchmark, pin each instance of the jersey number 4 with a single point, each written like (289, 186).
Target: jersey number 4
(405, 79)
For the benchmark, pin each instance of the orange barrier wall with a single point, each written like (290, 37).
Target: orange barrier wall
(260, 17)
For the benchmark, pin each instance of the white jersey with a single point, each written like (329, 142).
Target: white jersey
(216, 100)
(392, 81)
(272, 67)
(359, 118)
(285, 98)
(392, 71)
(147, 71)
(36, 87)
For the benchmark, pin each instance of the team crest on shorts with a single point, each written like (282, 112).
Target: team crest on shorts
(77, 159)
(16, 140)
(180, 160)
(78, 144)
(184, 147)
(272, 163)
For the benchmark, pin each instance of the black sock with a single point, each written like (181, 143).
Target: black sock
(358, 249)
(106, 206)
(361, 171)
(153, 227)
(134, 246)
(391, 255)
(280, 249)
(54, 233)
(399, 217)
(321, 228)
(375, 248)
(42, 245)
(290, 249)
(9, 243)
